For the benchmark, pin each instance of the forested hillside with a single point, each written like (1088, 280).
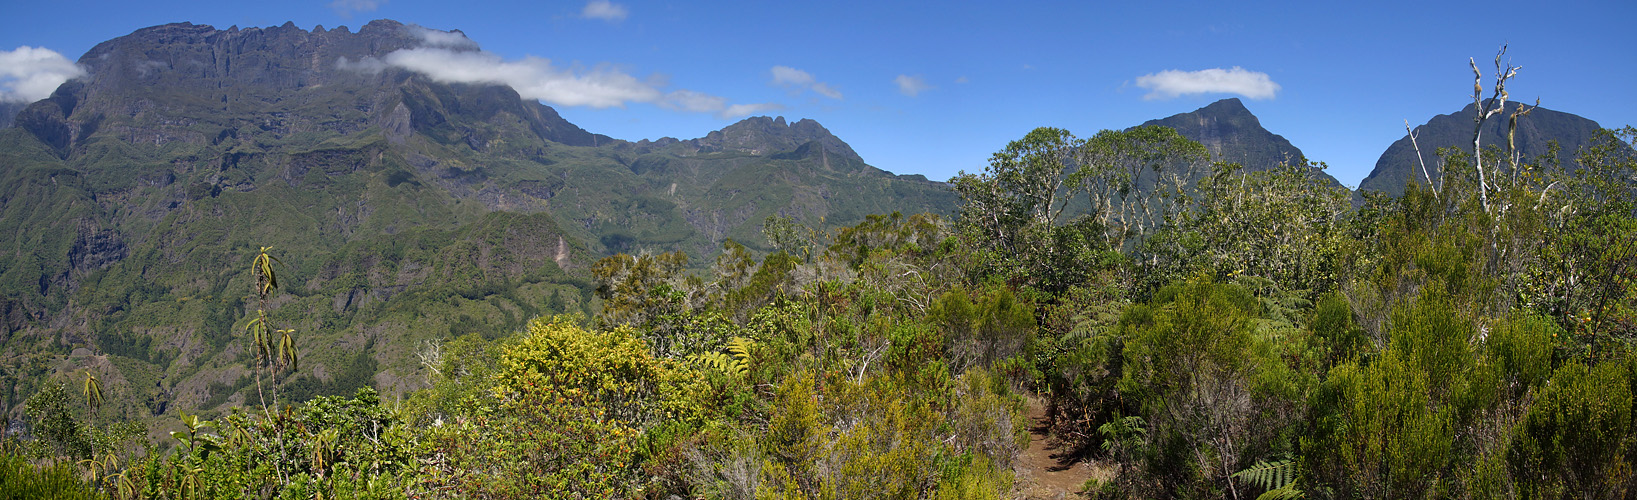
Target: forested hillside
(1182, 327)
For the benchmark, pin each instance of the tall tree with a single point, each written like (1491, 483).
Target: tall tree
(1021, 190)
(1135, 179)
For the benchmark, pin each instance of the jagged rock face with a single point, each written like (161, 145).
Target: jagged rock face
(196, 84)
(763, 135)
(203, 59)
(1399, 165)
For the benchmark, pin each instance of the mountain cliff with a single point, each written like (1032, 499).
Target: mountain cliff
(1398, 164)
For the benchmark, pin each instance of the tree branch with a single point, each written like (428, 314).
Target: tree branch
(1422, 161)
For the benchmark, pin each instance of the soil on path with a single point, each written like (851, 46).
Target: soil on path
(1040, 474)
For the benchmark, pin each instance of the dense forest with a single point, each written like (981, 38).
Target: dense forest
(1194, 329)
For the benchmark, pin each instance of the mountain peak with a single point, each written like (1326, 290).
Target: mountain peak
(1233, 134)
(1231, 104)
(768, 135)
(1231, 109)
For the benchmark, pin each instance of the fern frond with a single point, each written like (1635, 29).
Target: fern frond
(740, 348)
(1271, 476)
(715, 361)
(735, 362)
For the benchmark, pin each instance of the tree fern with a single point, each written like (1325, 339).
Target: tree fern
(1278, 477)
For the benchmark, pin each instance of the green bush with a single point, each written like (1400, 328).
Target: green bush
(21, 479)
(1576, 438)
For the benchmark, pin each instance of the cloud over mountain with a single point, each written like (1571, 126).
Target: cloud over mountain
(438, 38)
(532, 77)
(1169, 84)
(451, 57)
(28, 74)
(699, 102)
(743, 110)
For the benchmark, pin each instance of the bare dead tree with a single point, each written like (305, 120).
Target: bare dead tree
(1422, 160)
(1513, 155)
(1486, 110)
(431, 356)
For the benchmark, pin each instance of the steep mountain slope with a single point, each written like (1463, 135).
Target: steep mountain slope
(403, 209)
(1398, 164)
(1234, 135)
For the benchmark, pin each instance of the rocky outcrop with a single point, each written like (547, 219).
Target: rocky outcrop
(171, 83)
(760, 135)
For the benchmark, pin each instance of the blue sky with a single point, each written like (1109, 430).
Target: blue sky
(936, 88)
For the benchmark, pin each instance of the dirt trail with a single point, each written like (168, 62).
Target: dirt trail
(1039, 474)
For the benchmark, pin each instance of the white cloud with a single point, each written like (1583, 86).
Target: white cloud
(911, 85)
(1236, 80)
(537, 78)
(698, 102)
(962, 79)
(366, 65)
(604, 10)
(438, 38)
(740, 110)
(28, 74)
(826, 90)
(785, 75)
(799, 80)
(531, 77)
(346, 8)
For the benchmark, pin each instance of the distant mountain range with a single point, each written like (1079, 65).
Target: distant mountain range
(403, 209)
